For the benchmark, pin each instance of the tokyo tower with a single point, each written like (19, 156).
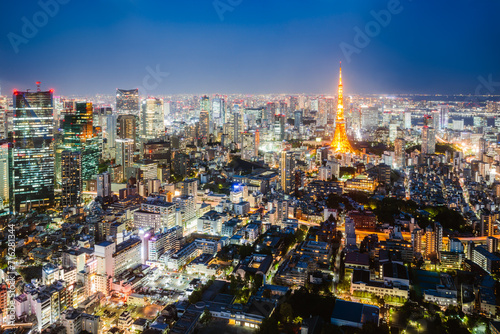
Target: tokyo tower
(340, 143)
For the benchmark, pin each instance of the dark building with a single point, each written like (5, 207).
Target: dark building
(127, 101)
(71, 175)
(32, 178)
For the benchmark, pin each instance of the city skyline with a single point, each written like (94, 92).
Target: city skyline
(294, 48)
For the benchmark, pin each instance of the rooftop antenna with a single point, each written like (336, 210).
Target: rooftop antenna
(38, 86)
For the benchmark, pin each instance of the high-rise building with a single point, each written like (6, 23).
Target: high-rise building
(188, 187)
(407, 119)
(237, 127)
(279, 126)
(287, 164)
(487, 223)
(127, 127)
(80, 135)
(341, 143)
(444, 111)
(110, 135)
(430, 242)
(400, 153)
(492, 244)
(5, 159)
(393, 132)
(71, 176)
(204, 124)
(104, 184)
(124, 153)
(298, 119)
(428, 140)
(250, 145)
(219, 109)
(152, 119)
(32, 178)
(350, 231)
(127, 101)
(416, 241)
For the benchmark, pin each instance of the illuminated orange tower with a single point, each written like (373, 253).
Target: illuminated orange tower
(340, 143)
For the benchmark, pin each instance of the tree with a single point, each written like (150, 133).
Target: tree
(206, 317)
(269, 326)
(286, 312)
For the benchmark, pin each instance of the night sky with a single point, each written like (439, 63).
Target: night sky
(253, 47)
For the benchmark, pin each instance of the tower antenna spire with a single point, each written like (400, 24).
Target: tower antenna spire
(340, 143)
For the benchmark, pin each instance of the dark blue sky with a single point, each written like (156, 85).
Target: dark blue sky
(286, 46)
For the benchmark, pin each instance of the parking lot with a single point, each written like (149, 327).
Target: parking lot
(169, 287)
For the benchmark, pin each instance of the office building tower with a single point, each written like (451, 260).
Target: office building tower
(430, 242)
(492, 244)
(393, 132)
(219, 109)
(438, 229)
(293, 104)
(279, 127)
(80, 135)
(188, 187)
(110, 135)
(350, 231)
(204, 124)
(250, 145)
(104, 185)
(5, 159)
(444, 111)
(71, 176)
(205, 103)
(416, 241)
(369, 118)
(32, 181)
(428, 140)
(237, 127)
(287, 164)
(298, 119)
(127, 127)
(487, 223)
(127, 101)
(407, 119)
(152, 119)
(124, 153)
(400, 153)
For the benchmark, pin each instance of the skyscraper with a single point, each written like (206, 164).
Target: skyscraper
(127, 101)
(104, 185)
(298, 119)
(204, 124)
(71, 176)
(279, 126)
(124, 153)
(126, 127)
(80, 135)
(428, 140)
(32, 181)
(400, 153)
(110, 135)
(340, 143)
(152, 119)
(287, 164)
(219, 109)
(444, 111)
(250, 145)
(5, 158)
